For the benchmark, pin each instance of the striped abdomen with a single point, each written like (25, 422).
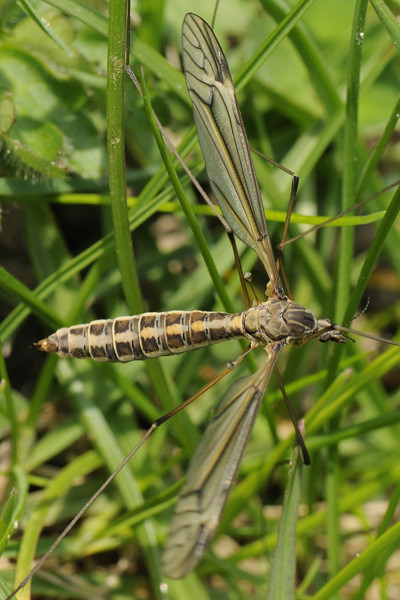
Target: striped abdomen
(144, 336)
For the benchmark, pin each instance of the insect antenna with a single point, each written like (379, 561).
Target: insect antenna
(360, 313)
(344, 329)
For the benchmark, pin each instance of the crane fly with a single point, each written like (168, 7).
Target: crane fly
(272, 324)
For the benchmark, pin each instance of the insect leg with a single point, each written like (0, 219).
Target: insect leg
(112, 476)
(299, 436)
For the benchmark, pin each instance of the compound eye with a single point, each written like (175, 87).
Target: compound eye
(299, 319)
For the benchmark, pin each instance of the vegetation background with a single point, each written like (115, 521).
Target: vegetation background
(65, 425)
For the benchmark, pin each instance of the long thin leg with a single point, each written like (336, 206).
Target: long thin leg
(292, 200)
(111, 478)
(200, 190)
(239, 268)
(300, 439)
(356, 206)
(179, 158)
(279, 251)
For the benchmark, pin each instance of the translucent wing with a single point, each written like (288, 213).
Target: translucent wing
(223, 140)
(212, 471)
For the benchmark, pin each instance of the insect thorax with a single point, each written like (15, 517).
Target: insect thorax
(279, 320)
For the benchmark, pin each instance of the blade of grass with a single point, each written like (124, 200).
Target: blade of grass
(283, 573)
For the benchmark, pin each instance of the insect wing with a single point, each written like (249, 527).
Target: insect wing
(223, 139)
(212, 472)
